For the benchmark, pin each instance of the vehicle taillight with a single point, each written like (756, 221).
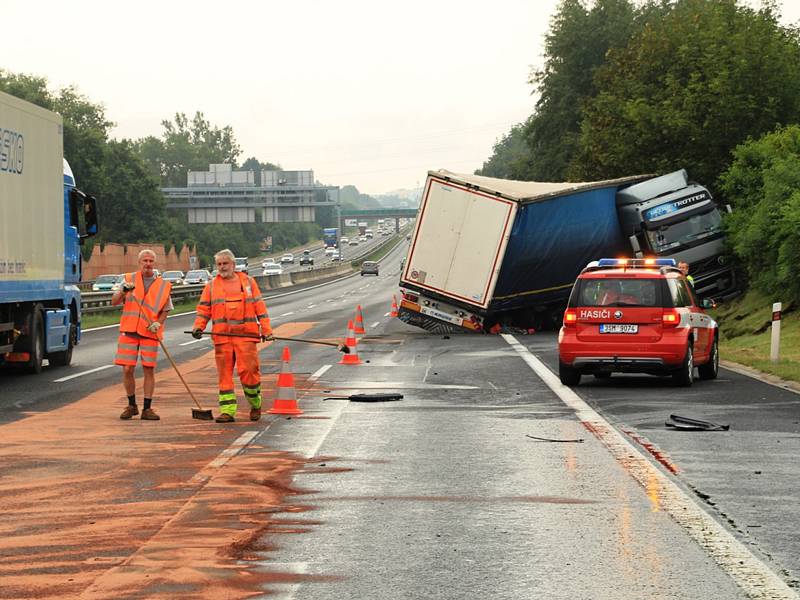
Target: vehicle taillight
(670, 317)
(570, 317)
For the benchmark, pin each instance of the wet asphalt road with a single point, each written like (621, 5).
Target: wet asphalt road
(442, 495)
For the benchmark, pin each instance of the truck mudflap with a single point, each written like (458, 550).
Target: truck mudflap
(435, 317)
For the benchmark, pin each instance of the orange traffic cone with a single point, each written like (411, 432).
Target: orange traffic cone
(394, 307)
(352, 357)
(359, 321)
(285, 402)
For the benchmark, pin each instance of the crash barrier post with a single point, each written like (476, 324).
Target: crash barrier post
(359, 324)
(775, 345)
(351, 358)
(394, 312)
(285, 402)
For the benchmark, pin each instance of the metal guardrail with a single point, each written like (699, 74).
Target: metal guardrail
(101, 301)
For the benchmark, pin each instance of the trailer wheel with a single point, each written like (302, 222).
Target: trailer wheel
(36, 347)
(64, 358)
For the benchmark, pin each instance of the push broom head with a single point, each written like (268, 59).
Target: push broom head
(202, 415)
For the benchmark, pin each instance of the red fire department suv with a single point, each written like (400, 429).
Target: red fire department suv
(636, 316)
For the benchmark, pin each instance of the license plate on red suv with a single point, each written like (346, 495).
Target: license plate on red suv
(618, 328)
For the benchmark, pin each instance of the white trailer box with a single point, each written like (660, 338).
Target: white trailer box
(31, 193)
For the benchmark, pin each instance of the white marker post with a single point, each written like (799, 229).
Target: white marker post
(775, 346)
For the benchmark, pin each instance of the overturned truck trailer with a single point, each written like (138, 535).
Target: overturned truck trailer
(488, 252)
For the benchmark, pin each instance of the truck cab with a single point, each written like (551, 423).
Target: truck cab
(671, 217)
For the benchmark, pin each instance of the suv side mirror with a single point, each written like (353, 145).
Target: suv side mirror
(708, 303)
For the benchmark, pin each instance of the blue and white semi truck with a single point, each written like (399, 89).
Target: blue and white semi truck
(43, 221)
(488, 252)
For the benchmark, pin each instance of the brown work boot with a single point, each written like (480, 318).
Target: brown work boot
(130, 411)
(148, 414)
(225, 418)
(255, 414)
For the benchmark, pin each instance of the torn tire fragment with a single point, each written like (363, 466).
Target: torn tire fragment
(689, 424)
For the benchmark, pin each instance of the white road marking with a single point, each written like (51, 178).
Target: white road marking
(193, 342)
(83, 373)
(286, 314)
(311, 306)
(375, 324)
(387, 314)
(223, 457)
(749, 573)
(319, 373)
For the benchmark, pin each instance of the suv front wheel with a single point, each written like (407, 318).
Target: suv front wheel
(568, 375)
(684, 376)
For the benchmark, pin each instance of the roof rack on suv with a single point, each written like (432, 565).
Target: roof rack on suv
(663, 264)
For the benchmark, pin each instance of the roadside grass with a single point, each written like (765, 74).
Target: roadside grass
(746, 330)
(101, 319)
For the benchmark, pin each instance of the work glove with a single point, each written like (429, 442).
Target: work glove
(197, 334)
(128, 286)
(154, 327)
(267, 337)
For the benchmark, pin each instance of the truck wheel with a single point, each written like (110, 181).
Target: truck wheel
(684, 376)
(64, 358)
(568, 375)
(36, 347)
(710, 369)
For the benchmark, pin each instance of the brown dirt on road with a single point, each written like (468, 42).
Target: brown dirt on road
(95, 507)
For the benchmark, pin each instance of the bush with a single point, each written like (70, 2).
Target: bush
(763, 186)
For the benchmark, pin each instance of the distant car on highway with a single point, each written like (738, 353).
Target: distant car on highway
(336, 256)
(174, 277)
(353, 242)
(369, 267)
(636, 316)
(240, 263)
(106, 283)
(197, 276)
(287, 258)
(343, 241)
(273, 269)
(306, 259)
(362, 238)
(330, 250)
(267, 261)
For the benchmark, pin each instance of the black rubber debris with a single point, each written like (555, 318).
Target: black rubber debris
(368, 397)
(689, 424)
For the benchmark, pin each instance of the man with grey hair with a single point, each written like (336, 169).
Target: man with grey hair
(233, 304)
(146, 305)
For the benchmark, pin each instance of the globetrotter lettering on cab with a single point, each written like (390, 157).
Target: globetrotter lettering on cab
(595, 314)
(12, 151)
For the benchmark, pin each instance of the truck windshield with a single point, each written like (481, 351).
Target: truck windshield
(685, 233)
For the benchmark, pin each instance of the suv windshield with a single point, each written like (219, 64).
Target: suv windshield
(685, 232)
(617, 292)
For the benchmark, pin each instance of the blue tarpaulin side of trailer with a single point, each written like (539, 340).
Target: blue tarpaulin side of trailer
(551, 241)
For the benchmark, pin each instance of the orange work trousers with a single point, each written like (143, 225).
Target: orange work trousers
(244, 355)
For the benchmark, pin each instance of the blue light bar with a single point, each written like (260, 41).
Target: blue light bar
(636, 262)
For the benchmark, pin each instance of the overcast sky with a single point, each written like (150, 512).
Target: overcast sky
(366, 93)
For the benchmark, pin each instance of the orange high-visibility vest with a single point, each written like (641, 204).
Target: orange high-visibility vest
(141, 309)
(232, 317)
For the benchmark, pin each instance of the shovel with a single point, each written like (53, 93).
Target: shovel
(340, 347)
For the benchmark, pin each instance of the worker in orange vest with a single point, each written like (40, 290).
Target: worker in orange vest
(146, 305)
(232, 301)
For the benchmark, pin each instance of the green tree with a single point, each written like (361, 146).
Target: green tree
(689, 88)
(187, 146)
(510, 157)
(763, 186)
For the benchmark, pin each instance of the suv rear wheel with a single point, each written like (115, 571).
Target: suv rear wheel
(684, 376)
(710, 369)
(568, 375)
